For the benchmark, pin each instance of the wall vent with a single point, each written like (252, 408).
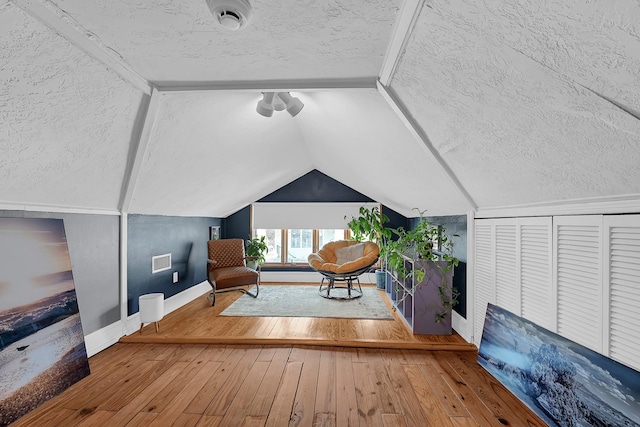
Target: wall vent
(160, 263)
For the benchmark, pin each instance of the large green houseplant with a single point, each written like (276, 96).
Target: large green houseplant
(256, 249)
(426, 242)
(370, 225)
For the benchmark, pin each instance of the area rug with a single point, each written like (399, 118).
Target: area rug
(304, 301)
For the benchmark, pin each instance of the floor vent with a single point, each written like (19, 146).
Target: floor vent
(160, 263)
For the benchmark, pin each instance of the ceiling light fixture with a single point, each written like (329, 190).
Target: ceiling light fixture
(231, 14)
(278, 101)
(265, 105)
(294, 105)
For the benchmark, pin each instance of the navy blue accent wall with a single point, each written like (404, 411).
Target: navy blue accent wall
(150, 235)
(237, 225)
(315, 187)
(456, 228)
(396, 220)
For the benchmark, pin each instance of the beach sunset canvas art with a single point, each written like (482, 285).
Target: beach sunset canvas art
(42, 349)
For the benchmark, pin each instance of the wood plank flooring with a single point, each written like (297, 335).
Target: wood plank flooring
(204, 369)
(199, 323)
(157, 384)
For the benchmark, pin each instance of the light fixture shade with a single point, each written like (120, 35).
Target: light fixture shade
(294, 105)
(265, 107)
(278, 104)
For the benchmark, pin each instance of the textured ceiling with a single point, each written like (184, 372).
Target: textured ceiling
(506, 92)
(172, 41)
(67, 121)
(493, 103)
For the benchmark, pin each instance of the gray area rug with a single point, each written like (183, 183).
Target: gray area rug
(304, 301)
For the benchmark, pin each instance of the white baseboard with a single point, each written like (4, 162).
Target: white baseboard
(305, 277)
(170, 304)
(461, 326)
(103, 338)
(185, 297)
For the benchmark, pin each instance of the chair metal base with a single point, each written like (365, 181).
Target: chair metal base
(212, 295)
(352, 292)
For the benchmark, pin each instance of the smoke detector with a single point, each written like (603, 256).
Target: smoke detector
(231, 14)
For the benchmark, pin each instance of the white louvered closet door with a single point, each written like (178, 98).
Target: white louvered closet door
(622, 286)
(513, 268)
(536, 279)
(578, 279)
(485, 288)
(507, 265)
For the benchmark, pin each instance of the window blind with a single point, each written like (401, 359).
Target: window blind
(306, 215)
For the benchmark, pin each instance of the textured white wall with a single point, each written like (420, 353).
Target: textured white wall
(211, 154)
(357, 139)
(67, 121)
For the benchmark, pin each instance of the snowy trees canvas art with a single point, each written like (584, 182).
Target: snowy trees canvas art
(565, 383)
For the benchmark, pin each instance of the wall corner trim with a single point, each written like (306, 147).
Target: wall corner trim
(421, 136)
(407, 17)
(620, 204)
(461, 326)
(63, 24)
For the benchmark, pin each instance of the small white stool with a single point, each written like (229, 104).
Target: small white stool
(151, 309)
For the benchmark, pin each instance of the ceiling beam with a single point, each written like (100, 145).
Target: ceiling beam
(66, 26)
(138, 154)
(270, 85)
(420, 135)
(402, 28)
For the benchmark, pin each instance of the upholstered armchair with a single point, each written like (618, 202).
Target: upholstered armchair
(343, 261)
(227, 269)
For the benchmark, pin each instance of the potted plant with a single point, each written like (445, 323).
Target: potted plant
(428, 243)
(370, 225)
(256, 249)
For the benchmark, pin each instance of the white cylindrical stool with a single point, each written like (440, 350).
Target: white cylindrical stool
(151, 309)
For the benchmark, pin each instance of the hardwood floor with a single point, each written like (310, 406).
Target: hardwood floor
(258, 385)
(198, 322)
(258, 372)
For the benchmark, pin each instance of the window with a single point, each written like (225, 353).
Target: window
(326, 236)
(294, 245)
(300, 243)
(273, 237)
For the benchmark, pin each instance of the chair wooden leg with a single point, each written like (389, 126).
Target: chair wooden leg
(157, 327)
(141, 325)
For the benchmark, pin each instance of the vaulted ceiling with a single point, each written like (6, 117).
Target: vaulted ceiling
(148, 106)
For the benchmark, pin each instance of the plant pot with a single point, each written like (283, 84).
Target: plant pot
(381, 279)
